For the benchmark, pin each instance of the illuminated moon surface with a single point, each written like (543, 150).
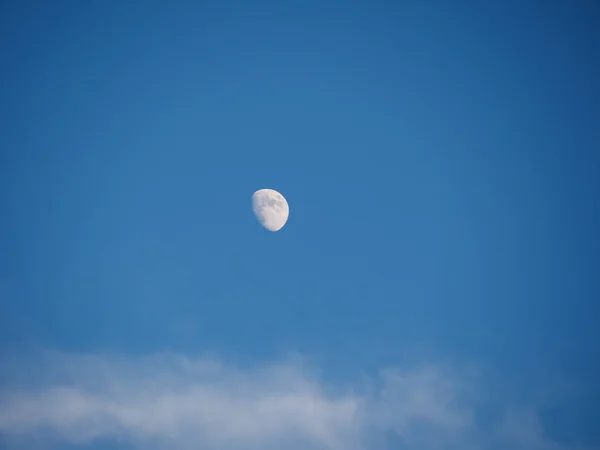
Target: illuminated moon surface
(270, 208)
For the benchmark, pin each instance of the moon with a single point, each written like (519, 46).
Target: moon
(270, 208)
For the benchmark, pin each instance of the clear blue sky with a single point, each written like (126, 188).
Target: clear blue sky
(441, 162)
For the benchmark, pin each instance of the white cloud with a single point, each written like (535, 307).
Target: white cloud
(174, 402)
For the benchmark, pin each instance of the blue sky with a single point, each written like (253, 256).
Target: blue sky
(434, 287)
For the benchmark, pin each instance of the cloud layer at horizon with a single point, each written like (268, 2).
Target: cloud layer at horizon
(169, 401)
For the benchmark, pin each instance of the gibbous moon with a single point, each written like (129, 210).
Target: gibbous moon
(270, 208)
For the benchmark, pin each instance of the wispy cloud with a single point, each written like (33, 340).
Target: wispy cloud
(175, 402)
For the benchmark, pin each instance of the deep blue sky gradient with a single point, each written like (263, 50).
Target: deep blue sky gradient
(441, 161)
